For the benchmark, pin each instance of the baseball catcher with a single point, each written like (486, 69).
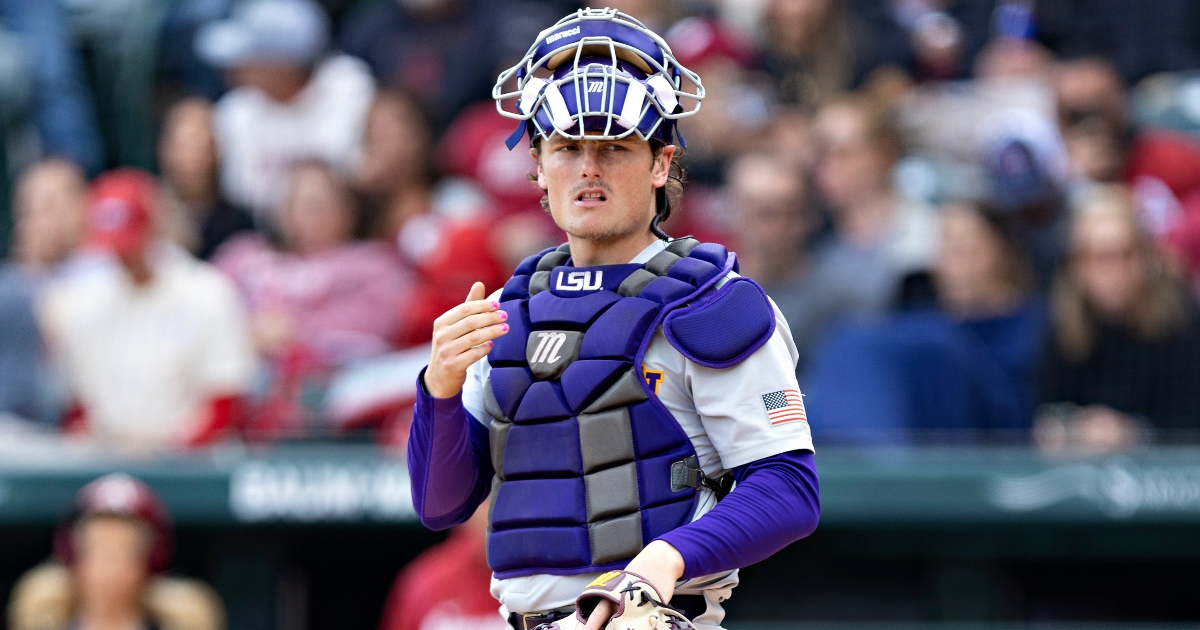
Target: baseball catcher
(627, 400)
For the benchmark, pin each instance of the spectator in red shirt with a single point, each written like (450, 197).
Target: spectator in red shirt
(325, 294)
(447, 587)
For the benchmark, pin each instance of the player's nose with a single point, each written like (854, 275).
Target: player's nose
(589, 164)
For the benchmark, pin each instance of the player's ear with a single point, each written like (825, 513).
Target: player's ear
(541, 175)
(661, 169)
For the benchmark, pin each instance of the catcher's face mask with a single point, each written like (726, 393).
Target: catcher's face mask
(601, 73)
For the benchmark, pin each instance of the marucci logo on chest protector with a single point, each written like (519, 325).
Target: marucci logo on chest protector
(549, 344)
(580, 281)
(596, 86)
(549, 352)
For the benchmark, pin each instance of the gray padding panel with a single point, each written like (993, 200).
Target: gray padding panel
(616, 539)
(605, 438)
(635, 282)
(612, 492)
(555, 355)
(538, 282)
(661, 263)
(682, 247)
(496, 481)
(498, 438)
(552, 260)
(491, 405)
(626, 391)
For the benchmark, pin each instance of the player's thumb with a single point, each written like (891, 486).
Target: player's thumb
(477, 292)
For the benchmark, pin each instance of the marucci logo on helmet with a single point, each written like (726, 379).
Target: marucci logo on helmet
(567, 33)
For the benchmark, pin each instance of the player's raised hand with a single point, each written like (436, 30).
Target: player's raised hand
(462, 336)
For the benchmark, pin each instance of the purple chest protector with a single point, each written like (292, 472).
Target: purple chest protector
(590, 467)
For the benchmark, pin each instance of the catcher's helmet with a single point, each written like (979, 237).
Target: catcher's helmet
(118, 494)
(599, 72)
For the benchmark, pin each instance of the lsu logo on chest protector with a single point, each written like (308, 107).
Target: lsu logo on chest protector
(580, 281)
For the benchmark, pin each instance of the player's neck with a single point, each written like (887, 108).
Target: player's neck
(593, 253)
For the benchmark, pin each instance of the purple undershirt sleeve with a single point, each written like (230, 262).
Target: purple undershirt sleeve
(775, 503)
(449, 463)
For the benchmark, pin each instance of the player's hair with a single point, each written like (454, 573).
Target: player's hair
(667, 198)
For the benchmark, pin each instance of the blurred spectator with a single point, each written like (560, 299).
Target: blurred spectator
(934, 36)
(1026, 164)
(48, 212)
(1124, 353)
(737, 102)
(774, 222)
(21, 361)
(1093, 114)
(809, 49)
(48, 209)
(156, 352)
(473, 148)
(473, 156)
(395, 176)
(959, 371)
(325, 294)
(197, 217)
(817, 49)
(289, 102)
(878, 237)
(441, 51)
(182, 72)
(109, 556)
(1141, 38)
(447, 586)
(58, 98)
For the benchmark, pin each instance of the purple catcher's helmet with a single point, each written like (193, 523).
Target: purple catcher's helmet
(601, 73)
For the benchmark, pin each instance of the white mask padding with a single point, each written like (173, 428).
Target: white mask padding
(530, 94)
(559, 113)
(631, 109)
(664, 92)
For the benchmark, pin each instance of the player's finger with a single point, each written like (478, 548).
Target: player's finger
(471, 322)
(465, 309)
(472, 355)
(460, 345)
(600, 615)
(477, 292)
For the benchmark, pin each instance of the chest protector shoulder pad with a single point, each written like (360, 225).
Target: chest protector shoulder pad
(590, 466)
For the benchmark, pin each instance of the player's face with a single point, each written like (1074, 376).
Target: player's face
(601, 190)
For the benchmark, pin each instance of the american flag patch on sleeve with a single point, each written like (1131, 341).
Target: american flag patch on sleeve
(785, 405)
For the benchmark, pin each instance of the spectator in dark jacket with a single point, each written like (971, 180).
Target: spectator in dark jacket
(960, 371)
(198, 217)
(1123, 359)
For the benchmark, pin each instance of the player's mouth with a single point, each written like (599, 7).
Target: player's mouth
(591, 197)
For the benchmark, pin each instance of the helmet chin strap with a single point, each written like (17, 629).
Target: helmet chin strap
(660, 201)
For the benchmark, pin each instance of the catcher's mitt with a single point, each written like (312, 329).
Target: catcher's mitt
(639, 606)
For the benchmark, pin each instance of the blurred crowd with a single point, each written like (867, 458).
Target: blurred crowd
(237, 219)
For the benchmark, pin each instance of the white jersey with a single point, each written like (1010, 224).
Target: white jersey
(723, 413)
